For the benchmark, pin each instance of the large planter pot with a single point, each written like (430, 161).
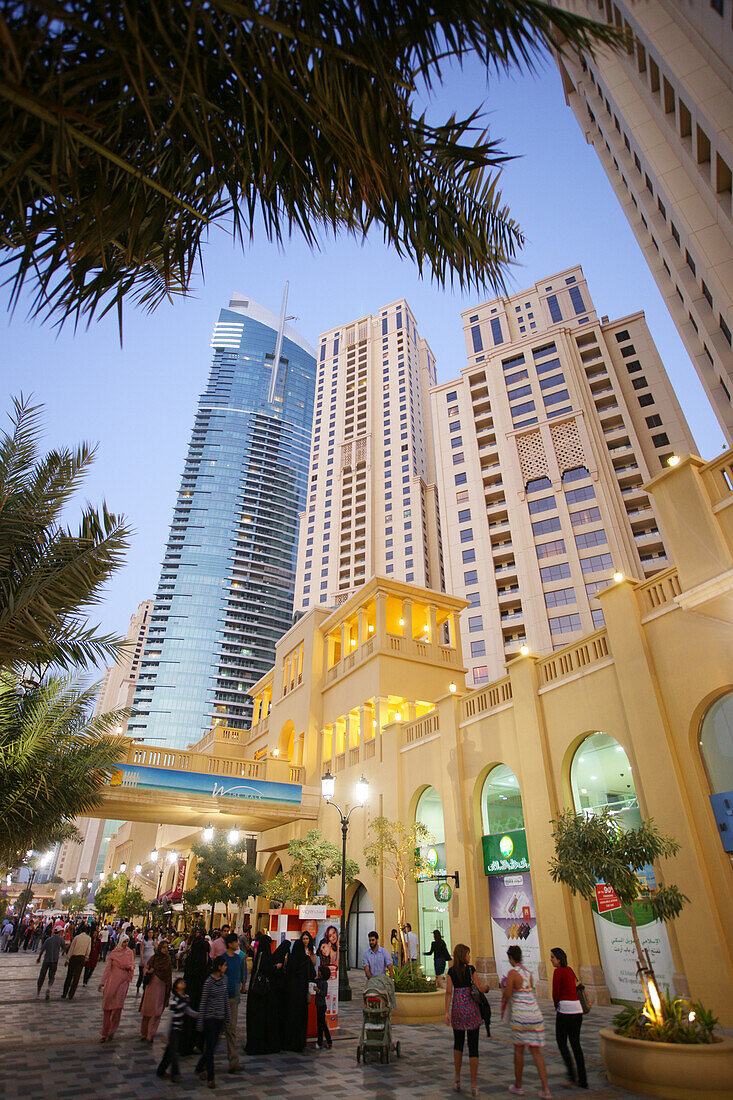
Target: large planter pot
(673, 1071)
(419, 1008)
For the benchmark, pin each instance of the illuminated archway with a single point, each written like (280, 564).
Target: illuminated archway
(360, 924)
(716, 749)
(432, 913)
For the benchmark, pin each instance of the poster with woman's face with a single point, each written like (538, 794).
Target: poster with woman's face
(327, 952)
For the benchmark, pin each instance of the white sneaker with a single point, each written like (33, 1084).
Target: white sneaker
(517, 1091)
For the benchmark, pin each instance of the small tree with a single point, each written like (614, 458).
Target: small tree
(223, 874)
(106, 897)
(397, 849)
(596, 849)
(132, 902)
(313, 860)
(78, 901)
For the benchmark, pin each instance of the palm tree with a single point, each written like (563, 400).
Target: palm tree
(128, 129)
(49, 573)
(54, 760)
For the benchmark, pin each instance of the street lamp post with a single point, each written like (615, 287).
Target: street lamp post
(328, 786)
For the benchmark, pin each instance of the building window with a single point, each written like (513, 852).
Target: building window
(464, 515)
(453, 396)
(590, 538)
(587, 515)
(467, 534)
(470, 576)
(585, 492)
(560, 597)
(597, 617)
(654, 421)
(480, 674)
(724, 328)
(496, 331)
(565, 624)
(576, 474)
(558, 572)
(551, 549)
(577, 299)
(478, 649)
(478, 344)
(475, 623)
(474, 599)
(545, 526)
(468, 556)
(537, 483)
(660, 440)
(597, 563)
(458, 458)
(544, 504)
(645, 399)
(553, 306)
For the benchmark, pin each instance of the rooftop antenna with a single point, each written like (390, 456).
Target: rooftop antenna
(279, 344)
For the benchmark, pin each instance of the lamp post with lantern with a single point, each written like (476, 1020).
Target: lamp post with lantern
(361, 792)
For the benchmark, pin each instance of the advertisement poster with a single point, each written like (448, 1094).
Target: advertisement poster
(618, 954)
(513, 920)
(325, 928)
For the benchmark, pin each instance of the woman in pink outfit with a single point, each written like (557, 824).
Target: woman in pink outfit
(116, 978)
(157, 991)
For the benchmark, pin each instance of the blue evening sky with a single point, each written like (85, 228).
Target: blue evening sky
(138, 401)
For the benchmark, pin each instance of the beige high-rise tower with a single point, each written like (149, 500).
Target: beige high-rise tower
(79, 861)
(660, 117)
(372, 506)
(542, 447)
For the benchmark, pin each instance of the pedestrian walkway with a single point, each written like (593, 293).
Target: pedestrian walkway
(51, 1049)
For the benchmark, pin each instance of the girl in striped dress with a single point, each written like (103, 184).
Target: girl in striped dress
(527, 1023)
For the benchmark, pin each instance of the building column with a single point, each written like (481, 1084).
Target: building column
(363, 627)
(433, 624)
(380, 601)
(407, 618)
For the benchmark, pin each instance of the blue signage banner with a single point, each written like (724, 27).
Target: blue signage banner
(166, 779)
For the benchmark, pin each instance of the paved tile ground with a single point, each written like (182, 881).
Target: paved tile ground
(50, 1050)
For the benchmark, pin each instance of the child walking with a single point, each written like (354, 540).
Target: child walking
(324, 1035)
(180, 1007)
(213, 1017)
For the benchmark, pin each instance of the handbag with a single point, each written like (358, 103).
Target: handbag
(481, 1001)
(260, 984)
(583, 998)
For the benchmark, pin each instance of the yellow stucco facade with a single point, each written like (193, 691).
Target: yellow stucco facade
(377, 688)
(372, 695)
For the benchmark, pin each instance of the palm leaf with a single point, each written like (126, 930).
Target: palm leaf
(128, 129)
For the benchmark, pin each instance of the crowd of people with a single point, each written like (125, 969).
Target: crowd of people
(203, 1002)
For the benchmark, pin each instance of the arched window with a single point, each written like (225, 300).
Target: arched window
(601, 778)
(432, 914)
(501, 802)
(576, 474)
(716, 744)
(537, 483)
(361, 923)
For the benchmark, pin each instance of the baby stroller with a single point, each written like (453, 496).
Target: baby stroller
(376, 1027)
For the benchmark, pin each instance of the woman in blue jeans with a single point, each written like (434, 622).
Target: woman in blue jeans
(213, 1018)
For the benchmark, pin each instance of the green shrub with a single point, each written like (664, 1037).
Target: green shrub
(675, 1027)
(409, 979)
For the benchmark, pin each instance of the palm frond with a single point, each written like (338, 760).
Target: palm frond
(128, 129)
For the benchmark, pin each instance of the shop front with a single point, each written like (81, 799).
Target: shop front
(601, 778)
(506, 865)
(433, 893)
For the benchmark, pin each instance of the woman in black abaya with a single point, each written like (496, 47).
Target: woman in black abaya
(280, 959)
(195, 973)
(263, 1025)
(300, 971)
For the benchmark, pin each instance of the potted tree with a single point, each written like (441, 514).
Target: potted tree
(222, 875)
(665, 1046)
(397, 849)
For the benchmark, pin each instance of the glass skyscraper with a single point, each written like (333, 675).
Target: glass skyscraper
(227, 582)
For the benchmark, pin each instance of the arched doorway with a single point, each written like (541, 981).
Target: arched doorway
(506, 865)
(361, 923)
(602, 778)
(432, 913)
(716, 747)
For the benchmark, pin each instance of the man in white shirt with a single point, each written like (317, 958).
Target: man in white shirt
(104, 938)
(411, 937)
(78, 954)
(376, 960)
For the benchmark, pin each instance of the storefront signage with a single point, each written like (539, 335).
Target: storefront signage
(606, 898)
(443, 892)
(505, 852)
(311, 912)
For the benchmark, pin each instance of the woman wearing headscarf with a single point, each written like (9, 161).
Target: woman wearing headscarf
(157, 991)
(195, 972)
(300, 973)
(280, 959)
(116, 978)
(263, 1024)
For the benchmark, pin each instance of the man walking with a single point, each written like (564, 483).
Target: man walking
(6, 935)
(50, 952)
(81, 946)
(412, 947)
(376, 960)
(219, 945)
(104, 937)
(236, 976)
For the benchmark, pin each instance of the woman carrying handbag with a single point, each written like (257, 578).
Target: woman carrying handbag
(462, 1013)
(566, 993)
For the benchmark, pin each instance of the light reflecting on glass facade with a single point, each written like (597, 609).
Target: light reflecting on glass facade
(227, 583)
